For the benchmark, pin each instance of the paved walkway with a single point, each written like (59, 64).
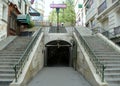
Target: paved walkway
(58, 76)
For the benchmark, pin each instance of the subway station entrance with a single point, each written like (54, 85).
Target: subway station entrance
(58, 53)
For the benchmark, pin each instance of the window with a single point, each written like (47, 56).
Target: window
(12, 21)
(19, 3)
(89, 4)
(4, 13)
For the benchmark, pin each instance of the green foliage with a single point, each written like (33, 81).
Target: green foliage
(53, 16)
(67, 15)
(31, 24)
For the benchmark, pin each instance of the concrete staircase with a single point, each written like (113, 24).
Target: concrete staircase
(9, 56)
(108, 56)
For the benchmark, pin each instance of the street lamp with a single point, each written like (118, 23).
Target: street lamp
(58, 6)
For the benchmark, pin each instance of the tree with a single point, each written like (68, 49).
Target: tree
(67, 15)
(52, 16)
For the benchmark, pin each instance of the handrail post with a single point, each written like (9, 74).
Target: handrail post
(15, 69)
(103, 69)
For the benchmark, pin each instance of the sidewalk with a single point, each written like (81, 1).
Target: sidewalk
(58, 76)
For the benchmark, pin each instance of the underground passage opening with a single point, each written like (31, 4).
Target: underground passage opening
(58, 54)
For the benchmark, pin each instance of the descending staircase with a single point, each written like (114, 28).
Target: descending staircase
(9, 56)
(108, 56)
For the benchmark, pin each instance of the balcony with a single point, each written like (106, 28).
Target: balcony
(102, 7)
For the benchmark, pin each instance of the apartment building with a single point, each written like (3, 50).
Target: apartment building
(3, 18)
(102, 14)
(80, 12)
(18, 16)
(39, 6)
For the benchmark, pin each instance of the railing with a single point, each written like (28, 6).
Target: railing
(18, 67)
(112, 33)
(97, 64)
(102, 7)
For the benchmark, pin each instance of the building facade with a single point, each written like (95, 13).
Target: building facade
(39, 6)
(16, 8)
(80, 14)
(3, 19)
(102, 14)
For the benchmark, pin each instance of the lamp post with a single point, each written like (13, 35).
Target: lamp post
(58, 6)
(57, 10)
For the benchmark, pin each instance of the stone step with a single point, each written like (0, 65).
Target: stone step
(112, 65)
(4, 71)
(106, 52)
(115, 58)
(7, 63)
(113, 80)
(102, 55)
(112, 84)
(11, 54)
(5, 80)
(8, 60)
(10, 57)
(7, 76)
(112, 70)
(6, 66)
(112, 75)
(110, 62)
(10, 51)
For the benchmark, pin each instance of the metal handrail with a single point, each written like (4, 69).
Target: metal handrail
(18, 67)
(97, 64)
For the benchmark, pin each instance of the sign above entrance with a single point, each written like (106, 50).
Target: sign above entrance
(58, 6)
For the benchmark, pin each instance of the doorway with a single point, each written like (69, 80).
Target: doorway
(58, 53)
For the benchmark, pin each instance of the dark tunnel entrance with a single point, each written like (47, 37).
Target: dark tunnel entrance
(58, 54)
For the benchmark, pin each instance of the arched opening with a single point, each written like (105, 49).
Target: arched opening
(58, 53)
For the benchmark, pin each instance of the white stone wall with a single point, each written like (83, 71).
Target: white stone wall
(79, 13)
(109, 18)
(3, 19)
(117, 22)
(91, 11)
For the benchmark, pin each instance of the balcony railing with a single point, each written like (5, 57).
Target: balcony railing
(113, 1)
(102, 7)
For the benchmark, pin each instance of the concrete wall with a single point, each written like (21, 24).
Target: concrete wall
(85, 66)
(34, 64)
(55, 36)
